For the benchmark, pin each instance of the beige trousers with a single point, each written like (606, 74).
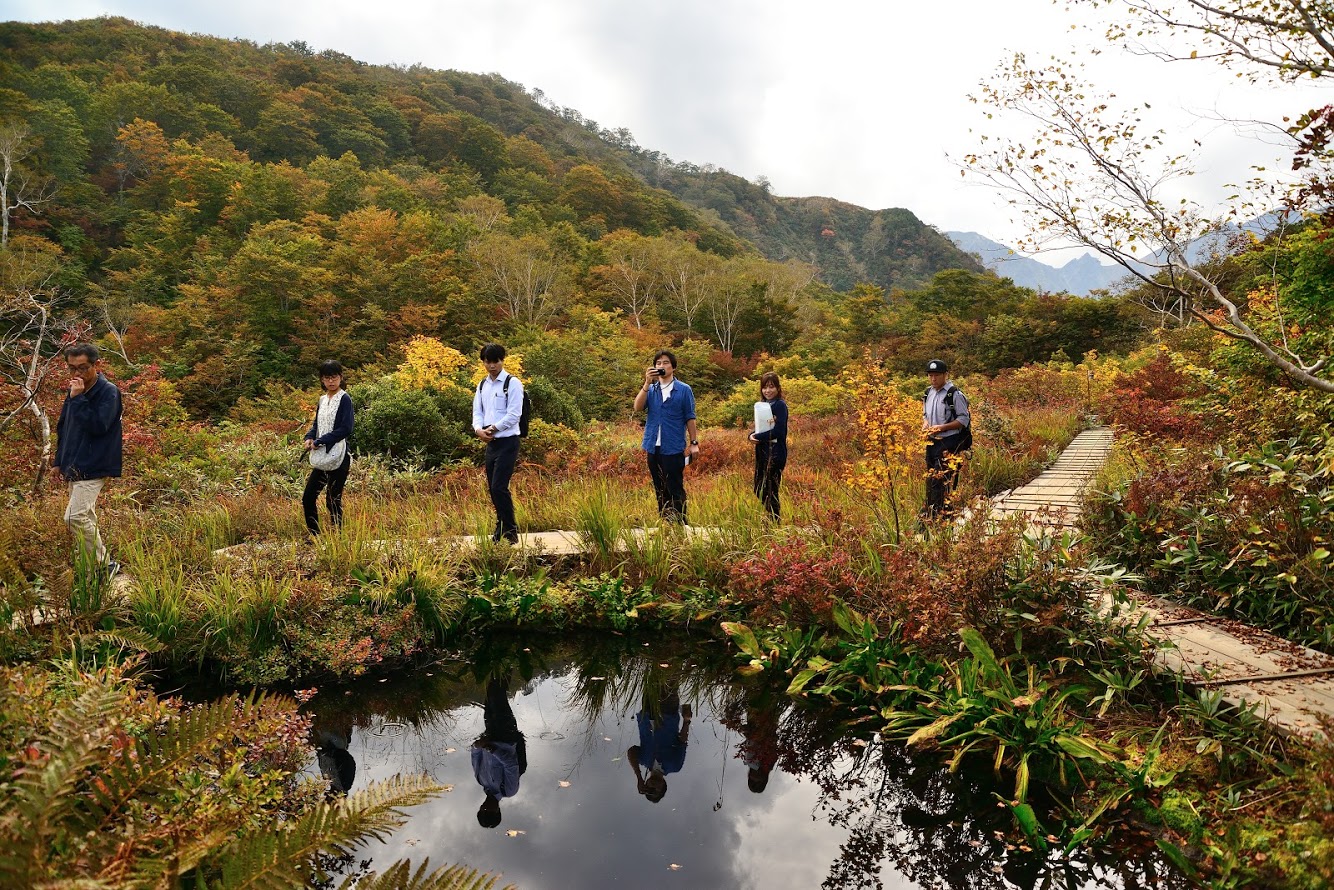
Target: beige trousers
(81, 517)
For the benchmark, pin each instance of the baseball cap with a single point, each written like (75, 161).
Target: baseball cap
(936, 366)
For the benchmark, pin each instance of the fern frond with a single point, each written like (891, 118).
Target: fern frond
(399, 877)
(128, 638)
(152, 759)
(279, 859)
(42, 800)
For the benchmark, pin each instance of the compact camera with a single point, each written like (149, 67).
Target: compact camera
(659, 372)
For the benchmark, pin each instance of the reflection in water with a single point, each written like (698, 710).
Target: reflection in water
(664, 734)
(332, 735)
(821, 804)
(500, 753)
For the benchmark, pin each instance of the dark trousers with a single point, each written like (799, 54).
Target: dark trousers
(333, 497)
(942, 475)
(669, 484)
(501, 456)
(768, 476)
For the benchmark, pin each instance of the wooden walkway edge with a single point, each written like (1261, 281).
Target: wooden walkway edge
(1290, 686)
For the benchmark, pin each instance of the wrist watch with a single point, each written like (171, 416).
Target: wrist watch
(694, 441)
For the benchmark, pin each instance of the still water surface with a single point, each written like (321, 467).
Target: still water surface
(751, 791)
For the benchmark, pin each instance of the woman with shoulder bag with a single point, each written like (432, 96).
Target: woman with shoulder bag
(770, 442)
(326, 444)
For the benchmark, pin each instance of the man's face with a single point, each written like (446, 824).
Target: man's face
(79, 366)
(937, 378)
(664, 364)
(494, 368)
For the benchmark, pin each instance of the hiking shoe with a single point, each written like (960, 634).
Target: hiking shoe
(112, 569)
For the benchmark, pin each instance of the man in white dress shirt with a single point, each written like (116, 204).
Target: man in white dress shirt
(496, 409)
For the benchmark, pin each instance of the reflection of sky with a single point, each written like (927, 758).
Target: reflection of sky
(599, 832)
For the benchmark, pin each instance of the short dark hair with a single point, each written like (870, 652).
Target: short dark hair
(770, 377)
(492, 352)
(488, 814)
(330, 368)
(87, 350)
(670, 357)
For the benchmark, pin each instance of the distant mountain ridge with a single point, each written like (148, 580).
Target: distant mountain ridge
(1085, 274)
(1080, 276)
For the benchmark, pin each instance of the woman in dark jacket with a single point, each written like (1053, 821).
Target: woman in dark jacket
(771, 446)
(326, 442)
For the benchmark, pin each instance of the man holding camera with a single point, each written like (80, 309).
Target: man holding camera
(944, 418)
(496, 409)
(670, 435)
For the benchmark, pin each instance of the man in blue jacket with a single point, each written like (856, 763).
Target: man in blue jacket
(88, 450)
(670, 434)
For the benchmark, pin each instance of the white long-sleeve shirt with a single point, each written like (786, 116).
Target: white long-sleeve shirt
(492, 406)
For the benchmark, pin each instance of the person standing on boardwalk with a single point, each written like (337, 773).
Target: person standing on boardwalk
(670, 434)
(496, 409)
(945, 419)
(88, 450)
(771, 445)
(326, 443)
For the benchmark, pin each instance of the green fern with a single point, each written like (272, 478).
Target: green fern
(274, 860)
(401, 877)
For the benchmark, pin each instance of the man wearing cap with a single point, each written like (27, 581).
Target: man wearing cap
(944, 416)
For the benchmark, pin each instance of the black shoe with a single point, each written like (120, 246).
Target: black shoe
(111, 569)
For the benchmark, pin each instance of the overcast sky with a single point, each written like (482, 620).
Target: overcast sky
(860, 100)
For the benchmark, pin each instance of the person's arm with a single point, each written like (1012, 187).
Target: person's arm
(478, 428)
(513, 407)
(961, 414)
(692, 430)
(683, 735)
(632, 755)
(641, 397)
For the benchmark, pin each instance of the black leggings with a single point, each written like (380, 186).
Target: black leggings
(768, 476)
(335, 480)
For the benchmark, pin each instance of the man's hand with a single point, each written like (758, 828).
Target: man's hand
(75, 386)
(486, 434)
(307, 444)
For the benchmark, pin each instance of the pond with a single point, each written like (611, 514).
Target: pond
(617, 762)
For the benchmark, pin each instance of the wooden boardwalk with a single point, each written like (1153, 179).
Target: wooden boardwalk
(1288, 685)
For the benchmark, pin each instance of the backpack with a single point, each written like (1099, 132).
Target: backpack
(965, 437)
(525, 413)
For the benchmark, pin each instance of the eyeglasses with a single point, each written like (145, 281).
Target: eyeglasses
(78, 369)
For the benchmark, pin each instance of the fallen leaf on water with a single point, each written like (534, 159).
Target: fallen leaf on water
(447, 787)
(597, 678)
(664, 664)
(413, 841)
(606, 738)
(564, 784)
(514, 832)
(674, 867)
(450, 750)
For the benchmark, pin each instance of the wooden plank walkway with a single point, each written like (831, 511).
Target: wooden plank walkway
(1053, 498)
(1290, 686)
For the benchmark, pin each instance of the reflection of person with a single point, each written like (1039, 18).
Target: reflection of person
(944, 415)
(759, 750)
(88, 450)
(669, 433)
(500, 754)
(332, 739)
(664, 729)
(771, 446)
(328, 437)
(496, 409)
